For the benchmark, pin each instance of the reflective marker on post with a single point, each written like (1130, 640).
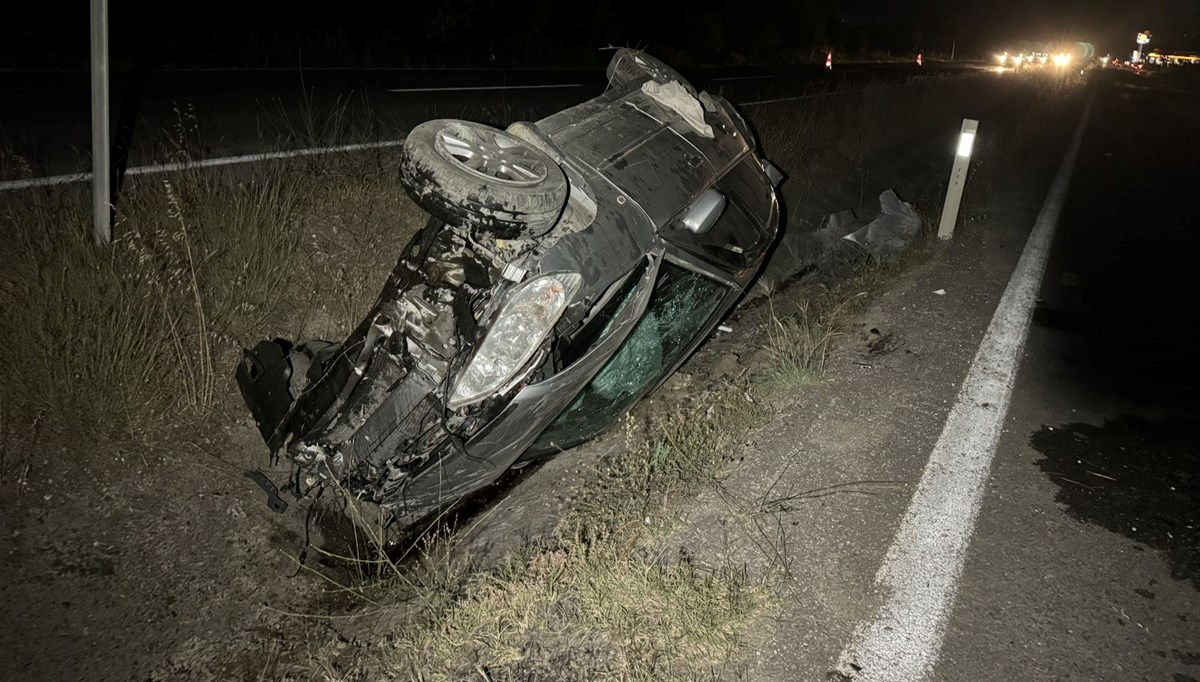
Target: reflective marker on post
(966, 141)
(958, 178)
(829, 60)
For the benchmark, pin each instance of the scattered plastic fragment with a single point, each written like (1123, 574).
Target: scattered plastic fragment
(897, 225)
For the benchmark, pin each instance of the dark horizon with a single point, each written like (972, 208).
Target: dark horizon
(321, 33)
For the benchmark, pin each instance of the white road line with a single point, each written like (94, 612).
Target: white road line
(793, 99)
(924, 563)
(491, 87)
(9, 185)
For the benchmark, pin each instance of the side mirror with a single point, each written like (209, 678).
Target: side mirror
(704, 212)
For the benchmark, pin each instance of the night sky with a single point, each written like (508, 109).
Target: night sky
(54, 34)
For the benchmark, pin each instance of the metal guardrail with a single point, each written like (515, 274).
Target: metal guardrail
(70, 178)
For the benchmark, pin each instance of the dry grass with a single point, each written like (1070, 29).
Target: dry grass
(131, 339)
(674, 456)
(797, 345)
(576, 612)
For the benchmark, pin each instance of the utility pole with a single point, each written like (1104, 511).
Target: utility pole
(101, 142)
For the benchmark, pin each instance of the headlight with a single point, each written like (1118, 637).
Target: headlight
(523, 323)
(1062, 59)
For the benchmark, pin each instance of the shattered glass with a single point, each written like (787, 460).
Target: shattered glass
(682, 302)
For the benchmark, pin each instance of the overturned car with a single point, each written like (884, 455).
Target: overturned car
(568, 267)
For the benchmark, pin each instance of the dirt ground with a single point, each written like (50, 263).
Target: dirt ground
(155, 565)
(164, 562)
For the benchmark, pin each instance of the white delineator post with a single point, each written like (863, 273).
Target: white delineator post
(958, 178)
(101, 147)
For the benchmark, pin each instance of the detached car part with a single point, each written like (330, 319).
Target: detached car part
(567, 268)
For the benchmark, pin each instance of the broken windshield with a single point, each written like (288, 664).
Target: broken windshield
(682, 303)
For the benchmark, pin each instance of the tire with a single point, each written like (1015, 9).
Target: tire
(627, 65)
(475, 176)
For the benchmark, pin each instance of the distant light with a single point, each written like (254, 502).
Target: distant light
(1003, 57)
(965, 142)
(1062, 59)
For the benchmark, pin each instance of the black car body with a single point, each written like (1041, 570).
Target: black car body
(569, 266)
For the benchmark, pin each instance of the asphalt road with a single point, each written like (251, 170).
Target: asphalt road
(1086, 561)
(45, 119)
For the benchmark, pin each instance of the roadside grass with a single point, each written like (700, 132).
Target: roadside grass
(797, 345)
(128, 340)
(674, 455)
(15, 442)
(576, 612)
(346, 119)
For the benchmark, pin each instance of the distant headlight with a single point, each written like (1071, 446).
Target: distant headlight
(1062, 59)
(1002, 58)
(522, 325)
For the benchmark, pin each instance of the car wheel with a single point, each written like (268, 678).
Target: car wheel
(473, 175)
(627, 65)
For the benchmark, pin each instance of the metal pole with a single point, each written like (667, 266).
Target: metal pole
(958, 178)
(101, 142)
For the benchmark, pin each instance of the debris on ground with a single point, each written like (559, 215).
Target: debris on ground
(895, 228)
